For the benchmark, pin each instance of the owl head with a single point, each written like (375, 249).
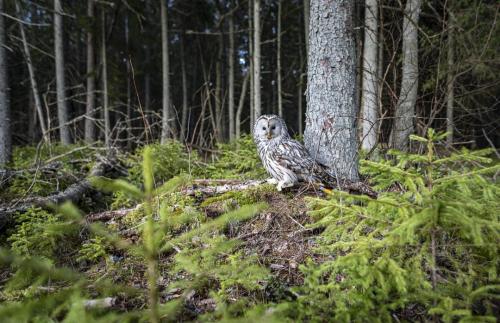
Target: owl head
(268, 127)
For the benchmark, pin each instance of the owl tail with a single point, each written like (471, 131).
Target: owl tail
(331, 181)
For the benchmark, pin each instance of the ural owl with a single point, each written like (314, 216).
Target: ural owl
(285, 159)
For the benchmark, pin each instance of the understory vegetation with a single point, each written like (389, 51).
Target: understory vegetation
(150, 245)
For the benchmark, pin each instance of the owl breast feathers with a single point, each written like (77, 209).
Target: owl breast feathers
(286, 160)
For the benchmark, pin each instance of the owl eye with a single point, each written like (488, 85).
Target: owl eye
(273, 127)
(263, 128)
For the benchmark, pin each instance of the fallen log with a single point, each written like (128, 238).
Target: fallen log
(73, 194)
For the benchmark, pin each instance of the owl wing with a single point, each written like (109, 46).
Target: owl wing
(294, 156)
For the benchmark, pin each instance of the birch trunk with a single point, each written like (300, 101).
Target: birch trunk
(90, 102)
(278, 61)
(405, 108)
(166, 129)
(369, 93)
(5, 132)
(104, 77)
(256, 59)
(330, 134)
(62, 107)
(31, 72)
(230, 59)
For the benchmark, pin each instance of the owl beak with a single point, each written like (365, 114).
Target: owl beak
(269, 136)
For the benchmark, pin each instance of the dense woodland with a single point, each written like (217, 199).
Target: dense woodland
(131, 189)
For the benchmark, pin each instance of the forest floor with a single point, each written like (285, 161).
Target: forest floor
(223, 245)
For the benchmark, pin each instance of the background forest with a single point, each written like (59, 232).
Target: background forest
(131, 189)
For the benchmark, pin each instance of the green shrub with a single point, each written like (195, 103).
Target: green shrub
(432, 246)
(237, 160)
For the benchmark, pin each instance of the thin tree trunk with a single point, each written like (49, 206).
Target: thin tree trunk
(241, 103)
(147, 58)
(330, 134)
(185, 111)
(128, 111)
(5, 131)
(90, 105)
(250, 64)
(104, 77)
(230, 59)
(300, 94)
(218, 131)
(62, 106)
(380, 60)
(450, 80)
(307, 9)
(369, 93)
(256, 59)
(405, 108)
(31, 71)
(166, 130)
(278, 60)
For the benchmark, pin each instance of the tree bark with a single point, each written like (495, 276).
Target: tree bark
(166, 129)
(185, 108)
(230, 59)
(5, 130)
(90, 104)
(405, 108)
(31, 72)
(104, 77)
(256, 60)
(450, 80)
(330, 134)
(62, 106)
(278, 60)
(369, 95)
(241, 103)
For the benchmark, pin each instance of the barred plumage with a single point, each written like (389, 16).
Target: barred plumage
(285, 159)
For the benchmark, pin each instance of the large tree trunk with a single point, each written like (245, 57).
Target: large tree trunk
(166, 129)
(256, 60)
(230, 59)
(405, 109)
(5, 133)
(104, 77)
(90, 106)
(62, 106)
(278, 61)
(369, 100)
(330, 134)
(31, 72)
(450, 80)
